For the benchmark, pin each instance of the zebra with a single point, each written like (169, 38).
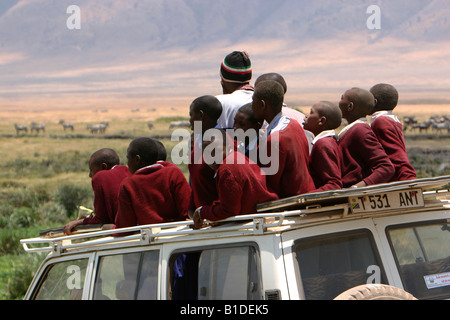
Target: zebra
(98, 128)
(66, 125)
(37, 127)
(180, 124)
(20, 128)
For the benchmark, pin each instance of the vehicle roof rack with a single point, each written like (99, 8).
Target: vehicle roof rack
(292, 212)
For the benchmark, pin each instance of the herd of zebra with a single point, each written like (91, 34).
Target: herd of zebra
(37, 128)
(435, 124)
(96, 128)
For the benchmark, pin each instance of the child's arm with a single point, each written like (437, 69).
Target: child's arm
(375, 158)
(230, 197)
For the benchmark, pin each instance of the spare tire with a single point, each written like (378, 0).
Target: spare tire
(375, 292)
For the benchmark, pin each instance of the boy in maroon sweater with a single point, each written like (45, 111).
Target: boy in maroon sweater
(363, 160)
(389, 131)
(248, 142)
(157, 192)
(324, 164)
(284, 155)
(240, 184)
(204, 111)
(106, 174)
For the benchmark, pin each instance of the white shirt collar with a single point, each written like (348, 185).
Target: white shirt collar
(384, 114)
(151, 166)
(344, 131)
(324, 134)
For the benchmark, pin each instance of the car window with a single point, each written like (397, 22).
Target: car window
(230, 273)
(423, 256)
(63, 281)
(328, 266)
(132, 276)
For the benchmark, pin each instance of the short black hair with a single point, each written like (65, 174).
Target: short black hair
(210, 106)
(248, 110)
(332, 112)
(362, 99)
(105, 155)
(275, 77)
(147, 148)
(162, 152)
(386, 96)
(270, 91)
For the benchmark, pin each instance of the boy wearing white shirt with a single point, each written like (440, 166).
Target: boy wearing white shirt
(389, 131)
(324, 162)
(363, 160)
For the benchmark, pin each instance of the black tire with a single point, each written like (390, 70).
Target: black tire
(375, 292)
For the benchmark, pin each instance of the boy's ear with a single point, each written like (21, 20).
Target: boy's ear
(263, 105)
(322, 121)
(104, 166)
(138, 159)
(351, 106)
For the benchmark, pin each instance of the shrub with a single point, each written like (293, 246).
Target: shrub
(71, 196)
(52, 213)
(22, 218)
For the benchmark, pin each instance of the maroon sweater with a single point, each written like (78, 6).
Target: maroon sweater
(155, 194)
(201, 176)
(293, 177)
(240, 186)
(324, 164)
(106, 184)
(390, 135)
(363, 157)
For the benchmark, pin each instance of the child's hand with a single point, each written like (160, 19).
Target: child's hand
(198, 221)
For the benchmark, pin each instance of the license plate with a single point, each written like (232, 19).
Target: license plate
(404, 199)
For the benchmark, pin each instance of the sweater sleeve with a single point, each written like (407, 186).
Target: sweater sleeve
(325, 165)
(101, 214)
(276, 167)
(375, 157)
(125, 216)
(181, 194)
(230, 195)
(388, 136)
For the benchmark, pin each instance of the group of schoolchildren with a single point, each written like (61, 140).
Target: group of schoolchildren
(311, 155)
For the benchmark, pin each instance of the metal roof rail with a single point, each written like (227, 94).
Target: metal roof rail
(255, 224)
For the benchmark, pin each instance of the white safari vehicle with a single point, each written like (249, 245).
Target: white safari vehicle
(389, 241)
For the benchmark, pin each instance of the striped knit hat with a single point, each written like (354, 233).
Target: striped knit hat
(236, 67)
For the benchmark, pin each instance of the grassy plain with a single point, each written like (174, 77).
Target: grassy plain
(44, 176)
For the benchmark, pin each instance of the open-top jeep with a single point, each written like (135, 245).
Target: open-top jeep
(384, 241)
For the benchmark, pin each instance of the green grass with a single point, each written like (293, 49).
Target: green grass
(44, 178)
